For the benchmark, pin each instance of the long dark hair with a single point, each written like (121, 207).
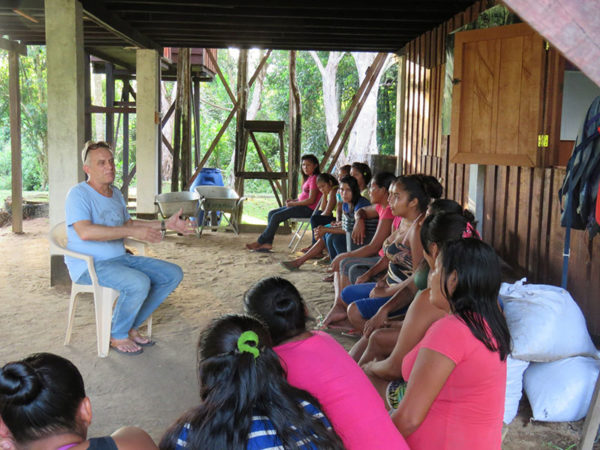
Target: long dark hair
(277, 302)
(448, 205)
(422, 187)
(40, 396)
(475, 299)
(235, 385)
(313, 159)
(353, 185)
(441, 228)
(365, 170)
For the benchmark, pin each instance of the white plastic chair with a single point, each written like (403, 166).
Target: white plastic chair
(104, 297)
(304, 224)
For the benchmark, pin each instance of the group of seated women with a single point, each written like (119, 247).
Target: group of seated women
(428, 372)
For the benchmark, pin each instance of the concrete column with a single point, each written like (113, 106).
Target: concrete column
(147, 133)
(66, 110)
(476, 193)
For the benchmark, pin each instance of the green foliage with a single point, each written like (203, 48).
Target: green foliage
(214, 109)
(386, 111)
(33, 120)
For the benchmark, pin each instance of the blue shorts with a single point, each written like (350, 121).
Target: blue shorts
(368, 307)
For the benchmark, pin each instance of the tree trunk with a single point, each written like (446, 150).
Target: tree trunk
(330, 94)
(363, 138)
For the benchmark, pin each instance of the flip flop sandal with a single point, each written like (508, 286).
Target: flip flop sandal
(123, 352)
(150, 343)
(288, 265)
(262, 250)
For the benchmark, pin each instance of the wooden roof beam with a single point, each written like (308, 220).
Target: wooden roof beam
(97, 12)
(13, 46)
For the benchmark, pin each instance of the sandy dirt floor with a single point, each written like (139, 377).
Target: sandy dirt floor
(151, 390)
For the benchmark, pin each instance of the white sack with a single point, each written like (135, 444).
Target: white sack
(561, 391)
(545, 323)
(514, 387)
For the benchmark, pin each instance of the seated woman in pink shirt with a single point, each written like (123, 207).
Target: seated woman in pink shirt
(302, 207)
(457, 373)
(317, 363)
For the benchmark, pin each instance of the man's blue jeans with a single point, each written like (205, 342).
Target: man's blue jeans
(278, 215)
(143, 284)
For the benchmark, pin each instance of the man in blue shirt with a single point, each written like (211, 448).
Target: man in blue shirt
(97, 222)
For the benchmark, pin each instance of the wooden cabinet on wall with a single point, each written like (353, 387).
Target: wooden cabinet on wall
(499, 97)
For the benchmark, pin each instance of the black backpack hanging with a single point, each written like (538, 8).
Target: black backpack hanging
(579, 191)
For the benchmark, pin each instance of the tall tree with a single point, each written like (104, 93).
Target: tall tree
(363, 139)
(330, 94)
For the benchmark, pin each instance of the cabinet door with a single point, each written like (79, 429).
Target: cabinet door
(497, 96)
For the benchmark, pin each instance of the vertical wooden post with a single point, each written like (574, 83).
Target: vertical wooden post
(15, 142)
(110, 102)
(400, 113)
(241, 136)
(196, 120)
(186, 147)
(177, 128)
(295, 130)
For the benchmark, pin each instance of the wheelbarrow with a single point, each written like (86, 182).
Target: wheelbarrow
(219, 199)
(170, 203)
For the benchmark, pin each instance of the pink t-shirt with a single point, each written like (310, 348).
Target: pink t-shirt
(468, 411)
(384, 214)
(321, 366)
(310, 183)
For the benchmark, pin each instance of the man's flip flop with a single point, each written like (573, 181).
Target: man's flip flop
(118, 350)
(150, 343)
(262, 250)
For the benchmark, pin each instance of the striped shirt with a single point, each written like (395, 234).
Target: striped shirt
(263, 435)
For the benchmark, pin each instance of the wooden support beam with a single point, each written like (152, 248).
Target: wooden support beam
(241, 136)
(377, 62)
(168, 114)
(97, 12)
(345, 127)
(167, 143)
(94, 109)
(221, 77)
(196, 111)
(213, 144)
(13, 46)
(295, 131)
(125, 99)
(110, 100)
(15, 142)
(259, 68)
(186, 109)
(275, 185)
(87, 133)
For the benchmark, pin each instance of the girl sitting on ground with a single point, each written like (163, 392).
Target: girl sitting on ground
(43, 406)
(457, 373)
(438, 229)
(335, 239)
(409, 198)
(246, 402)
(318, 363)
(302, 207)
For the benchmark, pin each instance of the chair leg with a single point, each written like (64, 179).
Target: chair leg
(149, 327)
(71, 314)
(300, 234)
(103, 302)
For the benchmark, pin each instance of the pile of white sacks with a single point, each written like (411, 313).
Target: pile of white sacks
(553, 357)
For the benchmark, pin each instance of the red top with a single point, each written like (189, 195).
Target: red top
(385, 214)
(468, 411)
